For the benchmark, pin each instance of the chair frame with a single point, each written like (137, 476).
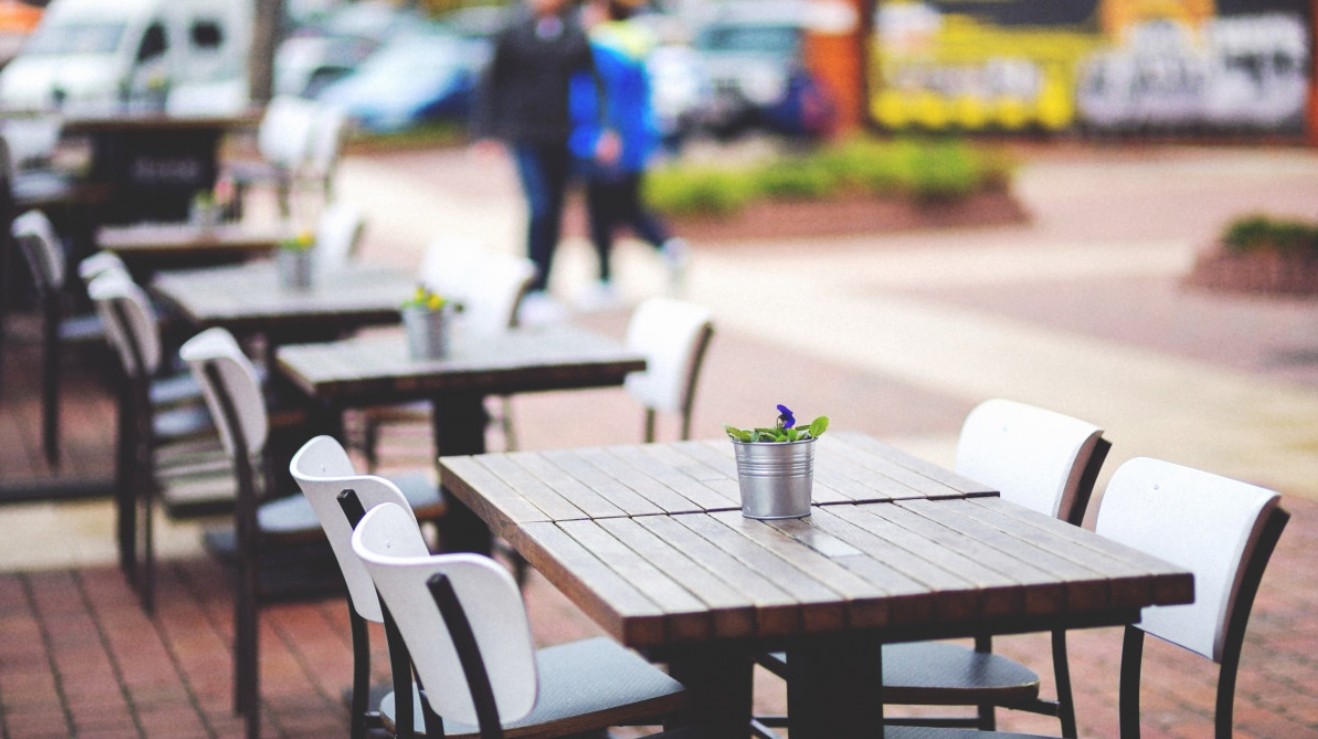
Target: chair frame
(49, 289)
(1132, 650)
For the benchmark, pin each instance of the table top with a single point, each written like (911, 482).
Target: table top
(154, 120)
(248, 297)
(911, 567)
(377, 369)
(681, 477)
(155, 239)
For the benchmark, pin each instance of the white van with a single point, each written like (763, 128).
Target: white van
(89, 54)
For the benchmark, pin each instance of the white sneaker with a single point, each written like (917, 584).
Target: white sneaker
(676, 253)
(598, 297)
(538, 309)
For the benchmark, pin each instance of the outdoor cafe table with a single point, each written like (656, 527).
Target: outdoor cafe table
(247, 299)
(150, 246)
(648, 540)
(376, 370)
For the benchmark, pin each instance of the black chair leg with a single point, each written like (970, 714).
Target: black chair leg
(50, 361)
(361, 672)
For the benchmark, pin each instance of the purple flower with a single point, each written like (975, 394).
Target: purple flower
(785, 418)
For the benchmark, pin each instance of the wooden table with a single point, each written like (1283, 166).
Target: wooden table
(247, 299)
(645, 540)
(376, 370)
(151, 246)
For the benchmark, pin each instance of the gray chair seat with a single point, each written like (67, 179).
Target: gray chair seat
(578, 681)
(937, 673)
(293, 515)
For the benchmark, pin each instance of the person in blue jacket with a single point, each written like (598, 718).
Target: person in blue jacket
(613, 163)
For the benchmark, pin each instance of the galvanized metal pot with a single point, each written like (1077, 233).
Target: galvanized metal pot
(775, 478)
(295, 268)
(427, 331)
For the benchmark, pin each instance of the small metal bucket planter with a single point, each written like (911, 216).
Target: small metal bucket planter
(427, 331)
(295, 267)
(776, 478)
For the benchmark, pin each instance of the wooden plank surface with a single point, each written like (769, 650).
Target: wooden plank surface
(648, 540)
(375, 369)
(154, 239)
(673, 579)
(248, 297)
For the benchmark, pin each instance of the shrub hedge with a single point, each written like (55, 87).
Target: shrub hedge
(926, 170)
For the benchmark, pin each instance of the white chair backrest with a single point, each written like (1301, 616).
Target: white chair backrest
(323, 470)
(284, 136)
(447, 267)
(668, 332)
(1197, 520)
(390, 544)
(326, 142)
(494, 292)
(37, 234)
(99, 263)
(129, 319)
(338, 234)
(488, 284)
(217, 347)
(1035, 457)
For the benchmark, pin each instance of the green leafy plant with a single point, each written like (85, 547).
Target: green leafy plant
(1260, 232)
(424, 297)
(303, 241)
(784, 430)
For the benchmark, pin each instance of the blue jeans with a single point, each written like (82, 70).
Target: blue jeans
(543, 169)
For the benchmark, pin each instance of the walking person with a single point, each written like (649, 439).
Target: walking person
(613, 162)
(524, 102)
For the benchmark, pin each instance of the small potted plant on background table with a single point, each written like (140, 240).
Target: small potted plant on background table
(776, 465)
(294, 261)
(427, 318)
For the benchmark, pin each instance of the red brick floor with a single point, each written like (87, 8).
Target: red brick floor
(81, 659)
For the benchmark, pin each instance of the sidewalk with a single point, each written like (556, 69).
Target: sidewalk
(897, 335)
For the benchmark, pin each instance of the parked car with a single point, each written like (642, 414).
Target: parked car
(331, 45)
(753, 53)
(412, 79)
(96, 53)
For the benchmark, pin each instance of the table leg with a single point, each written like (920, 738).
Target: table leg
(834, 690)
(718, 682)
(459, 422)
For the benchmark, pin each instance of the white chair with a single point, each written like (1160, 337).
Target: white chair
(339, 232)
(462, 619)
(329, 127)
(329, 481)
(1036, 458)
(263, 525)
(673, 335)
(40, 246)
(1222, 530)
(283, 140)
(163, 452)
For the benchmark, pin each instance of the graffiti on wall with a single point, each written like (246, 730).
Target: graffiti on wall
(1101, 64)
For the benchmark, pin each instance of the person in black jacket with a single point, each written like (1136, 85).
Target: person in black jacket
(524, 102)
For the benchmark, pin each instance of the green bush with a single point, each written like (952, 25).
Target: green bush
(699, 191)
(1256, 232)
(927, 170)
